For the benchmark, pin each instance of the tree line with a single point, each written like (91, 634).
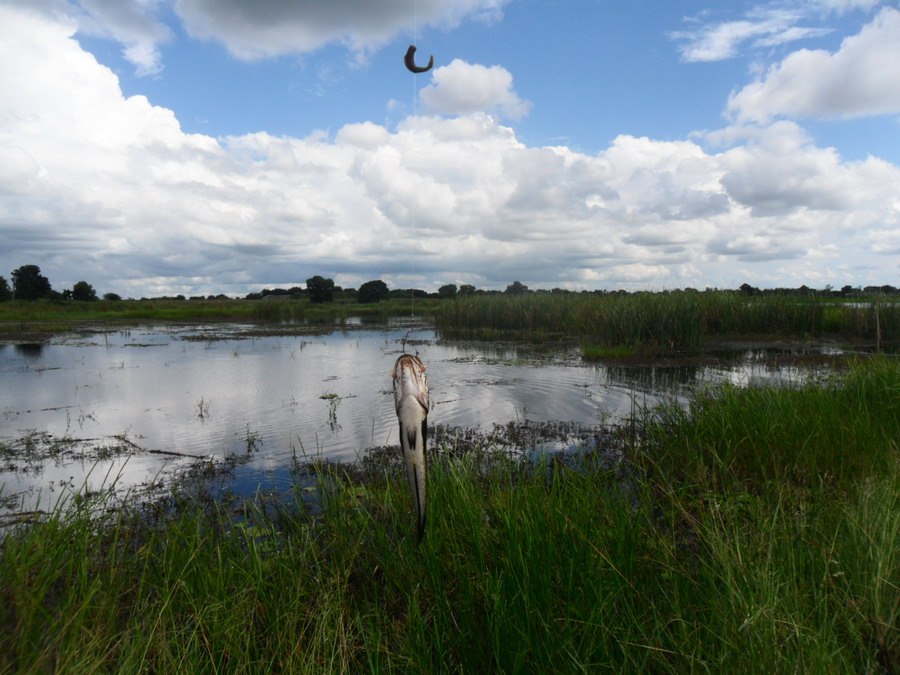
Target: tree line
(29, 284)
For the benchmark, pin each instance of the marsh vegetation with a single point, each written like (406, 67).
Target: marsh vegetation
(725, 527)
(654, 322)
(734, 535)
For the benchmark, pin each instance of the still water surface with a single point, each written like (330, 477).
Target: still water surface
(212, 390)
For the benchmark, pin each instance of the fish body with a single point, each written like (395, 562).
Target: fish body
(411, 404)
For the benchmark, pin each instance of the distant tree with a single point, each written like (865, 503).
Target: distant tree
(372, 291)
(406, 293)
(747, 289)
(5, 292)
(29, 283)
(112, 297)
(516, 288)
(447, 291)
(466, 289)
(320, 289)
(82, 290)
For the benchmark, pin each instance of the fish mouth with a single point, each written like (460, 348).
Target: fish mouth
(409, 380)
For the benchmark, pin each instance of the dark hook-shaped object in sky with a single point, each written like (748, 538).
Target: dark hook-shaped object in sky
(410, 61)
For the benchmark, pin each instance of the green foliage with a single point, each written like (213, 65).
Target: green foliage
(29, 283)
(670, 319)
(83, 291)
(320, 290)
(447, 291)
(5, 291)
(516, 288)
(372, 291)
(112, 297)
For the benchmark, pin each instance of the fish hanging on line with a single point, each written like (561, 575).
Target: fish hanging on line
(410, 61)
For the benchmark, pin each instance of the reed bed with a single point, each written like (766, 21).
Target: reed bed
(671, 320)
(702, 553)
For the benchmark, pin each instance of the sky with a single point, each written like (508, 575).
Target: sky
(158, 147)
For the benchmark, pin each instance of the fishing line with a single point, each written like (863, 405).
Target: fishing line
(410, 61)
(414, 96)
(416, 43)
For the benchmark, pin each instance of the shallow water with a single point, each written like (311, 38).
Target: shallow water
(215, 391)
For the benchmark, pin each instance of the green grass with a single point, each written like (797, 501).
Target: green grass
(124, 311)
(726, 547)
(55, 316)
(833, 432)
(670, 320)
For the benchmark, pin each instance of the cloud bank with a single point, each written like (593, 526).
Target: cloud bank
(856, 81)
(257, 29)
(98, 186)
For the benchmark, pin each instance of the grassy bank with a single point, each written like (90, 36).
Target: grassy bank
(46, 317)
(124, 311)
(667, 320)
(756, 532)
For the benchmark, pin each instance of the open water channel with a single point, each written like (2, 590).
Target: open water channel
(171, 395)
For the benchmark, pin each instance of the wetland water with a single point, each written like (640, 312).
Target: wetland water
(221, 390)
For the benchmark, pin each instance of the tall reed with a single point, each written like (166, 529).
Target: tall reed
(670, 319)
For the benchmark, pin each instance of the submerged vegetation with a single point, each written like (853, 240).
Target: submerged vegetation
(755, 531)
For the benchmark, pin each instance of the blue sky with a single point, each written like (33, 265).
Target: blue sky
(191, 146)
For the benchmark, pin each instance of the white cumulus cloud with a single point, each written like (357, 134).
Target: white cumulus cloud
(98, 186)
(857, 80)
(132, 23)
(461, 88)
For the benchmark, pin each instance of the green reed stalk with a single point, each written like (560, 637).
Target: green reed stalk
(667, 319)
